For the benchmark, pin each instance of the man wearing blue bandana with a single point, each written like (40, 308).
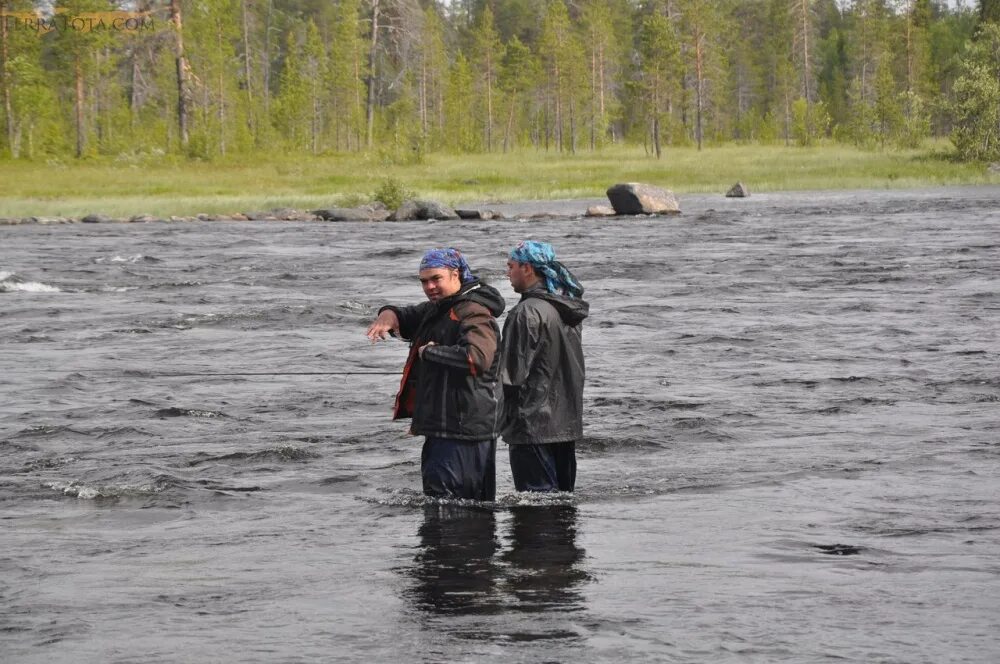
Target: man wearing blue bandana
(543, 370)
(451, 381)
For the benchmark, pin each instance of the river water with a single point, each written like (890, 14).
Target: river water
(792, 447)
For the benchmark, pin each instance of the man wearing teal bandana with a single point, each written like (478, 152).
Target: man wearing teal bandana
(543, 370)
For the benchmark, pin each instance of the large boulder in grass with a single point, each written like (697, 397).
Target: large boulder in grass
(419, 209)
(738, 190)
(638, 198)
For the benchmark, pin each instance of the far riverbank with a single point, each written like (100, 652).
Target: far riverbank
(695, 207)
(162, 187)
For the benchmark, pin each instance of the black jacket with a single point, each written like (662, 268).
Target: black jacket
(454, 390)
(543, 369)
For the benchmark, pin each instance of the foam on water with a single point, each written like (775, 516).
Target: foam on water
(135, 258)
(11, 283)
(390, 497)
(85, 491)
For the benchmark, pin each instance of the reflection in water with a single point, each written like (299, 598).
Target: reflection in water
(455, 570)
(458, 571)
(544, 559)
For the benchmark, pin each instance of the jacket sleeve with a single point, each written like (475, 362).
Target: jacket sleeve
(522, 341)
(409, 318)
(477, 344)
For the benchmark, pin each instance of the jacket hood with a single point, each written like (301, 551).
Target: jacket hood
(484, 294)
(572, 310)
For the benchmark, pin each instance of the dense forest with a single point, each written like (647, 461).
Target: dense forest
(209, 78)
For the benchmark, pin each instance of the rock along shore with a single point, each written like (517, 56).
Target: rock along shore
(626, 200)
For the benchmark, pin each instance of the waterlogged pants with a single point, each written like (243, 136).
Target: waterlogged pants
(549, 467)
(459, 468)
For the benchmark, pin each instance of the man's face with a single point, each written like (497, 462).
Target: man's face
(521, 275)
(440, 282)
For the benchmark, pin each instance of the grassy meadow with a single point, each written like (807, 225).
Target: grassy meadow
(165, 186)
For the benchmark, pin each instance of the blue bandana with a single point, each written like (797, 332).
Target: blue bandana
(542, 257)
(449, 258)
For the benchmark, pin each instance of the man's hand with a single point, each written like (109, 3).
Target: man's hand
(386, 322)
(420, 351)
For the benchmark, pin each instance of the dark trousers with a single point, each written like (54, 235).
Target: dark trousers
(459, 468)
(549, 467)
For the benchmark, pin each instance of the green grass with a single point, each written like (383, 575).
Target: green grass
(166, 187)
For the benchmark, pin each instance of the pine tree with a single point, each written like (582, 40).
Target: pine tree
(833, 77)
(888, 115)
(804, 49)
(782, 86)
(77, 51)
(702, 26)
(183, 88)
(459, 97)
(918, 84)
(372, 71)
(869, 32)
(519, 74)
(217, 108)
(598, 33)
(949, 35)
(748, 73)
(291, 111)
(432, 77)
(345, 74)
(315, 66)
(804, 42)
(659, 72)
(27, 97)
(394, 30)
(488, 53)
(6, 110)
(562, 57)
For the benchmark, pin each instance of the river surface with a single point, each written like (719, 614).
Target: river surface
(792, 448)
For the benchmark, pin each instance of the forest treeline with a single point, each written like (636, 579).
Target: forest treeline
(209, 78)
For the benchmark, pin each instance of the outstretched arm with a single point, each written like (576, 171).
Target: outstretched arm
(407, 320)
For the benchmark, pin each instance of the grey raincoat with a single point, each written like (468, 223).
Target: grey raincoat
(543, 369)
